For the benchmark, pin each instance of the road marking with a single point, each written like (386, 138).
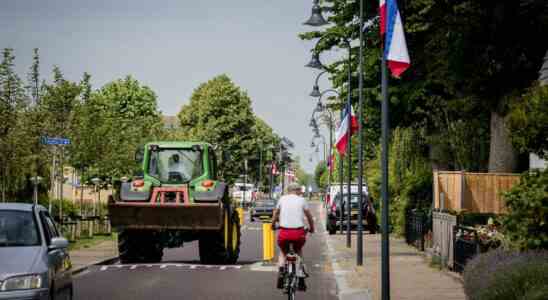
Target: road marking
(167, 266)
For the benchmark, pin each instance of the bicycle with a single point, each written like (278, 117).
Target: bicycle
(293, 265)
(292, 262)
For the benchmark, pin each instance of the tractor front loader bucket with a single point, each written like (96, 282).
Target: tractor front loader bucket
(160, 214)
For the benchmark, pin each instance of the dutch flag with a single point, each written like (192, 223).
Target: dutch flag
(395, 46)
(349, 122)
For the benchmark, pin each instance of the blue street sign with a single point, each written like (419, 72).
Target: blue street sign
(55, 141)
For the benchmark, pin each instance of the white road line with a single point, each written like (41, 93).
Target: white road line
(167, 266)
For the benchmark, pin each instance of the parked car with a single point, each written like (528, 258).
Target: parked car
(335, 188)
(243, 193)
(334, 212)
(262, 208)
(34, 259)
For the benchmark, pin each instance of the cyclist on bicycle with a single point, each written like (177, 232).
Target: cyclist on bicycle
(290, 212)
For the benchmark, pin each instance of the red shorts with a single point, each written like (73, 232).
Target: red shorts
(287, 235)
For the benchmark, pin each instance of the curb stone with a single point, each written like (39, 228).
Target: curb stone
(344, 292)
(107, 261)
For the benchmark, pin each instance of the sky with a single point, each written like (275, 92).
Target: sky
(173, 46)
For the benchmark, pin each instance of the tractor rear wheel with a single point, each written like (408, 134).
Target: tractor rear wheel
(223, 246)
(139, 246)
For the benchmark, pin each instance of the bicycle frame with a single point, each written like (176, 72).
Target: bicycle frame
(292, 262)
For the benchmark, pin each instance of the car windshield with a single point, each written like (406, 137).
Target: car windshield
(175, 165)
(354, 198)
(18, 228)
(266, 203)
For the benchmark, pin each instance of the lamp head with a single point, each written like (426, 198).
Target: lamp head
(315, 91)
(315, 62)
(319, 107)
(316, 18)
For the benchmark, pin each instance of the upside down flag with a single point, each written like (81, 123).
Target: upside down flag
(348, 123)
(395, 46)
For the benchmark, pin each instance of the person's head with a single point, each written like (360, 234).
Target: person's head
(294, 188)
(175, 158)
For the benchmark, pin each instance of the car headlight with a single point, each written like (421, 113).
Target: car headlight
(22, 283)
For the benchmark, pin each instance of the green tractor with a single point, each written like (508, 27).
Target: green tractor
(176, 199)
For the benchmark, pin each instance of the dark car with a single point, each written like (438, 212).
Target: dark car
(263, 208)
(334, 212)
(34, 260)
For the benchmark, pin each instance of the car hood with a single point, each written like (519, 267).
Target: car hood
(18, 260)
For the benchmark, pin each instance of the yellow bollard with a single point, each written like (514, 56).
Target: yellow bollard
(268, 242)
(272, 243)
(240, 211)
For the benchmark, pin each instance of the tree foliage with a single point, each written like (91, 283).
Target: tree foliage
(468, 58)
(105, 126)
(220, 113)
(528, 122)
(526, 222)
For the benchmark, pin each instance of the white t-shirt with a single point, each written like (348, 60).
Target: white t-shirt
(291, 209)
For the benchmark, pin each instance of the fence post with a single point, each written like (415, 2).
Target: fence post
(90, 228)
(462, 188)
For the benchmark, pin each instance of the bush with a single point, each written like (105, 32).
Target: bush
(526, 223)
(70, 209)
(509, 275)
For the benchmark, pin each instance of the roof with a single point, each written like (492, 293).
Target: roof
(543, 73)
(177, 144)
(18, 206)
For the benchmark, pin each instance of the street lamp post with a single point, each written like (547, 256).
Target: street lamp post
(96, 182)
(320, 108)
(35, 182)
(316, 63)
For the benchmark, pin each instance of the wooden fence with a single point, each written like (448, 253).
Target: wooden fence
(473, 192)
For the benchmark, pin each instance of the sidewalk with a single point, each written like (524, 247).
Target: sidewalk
(411, 277)
(99, 253)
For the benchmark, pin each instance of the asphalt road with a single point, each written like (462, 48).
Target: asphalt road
(181, 276)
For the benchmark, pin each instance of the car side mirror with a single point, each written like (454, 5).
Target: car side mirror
(58, 243)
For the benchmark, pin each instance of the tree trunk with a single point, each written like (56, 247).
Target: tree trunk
(502, 156)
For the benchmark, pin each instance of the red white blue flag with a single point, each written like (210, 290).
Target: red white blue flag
(348, 123)
(395, 46)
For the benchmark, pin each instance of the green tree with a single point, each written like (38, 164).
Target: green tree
(13, 103)
(264, 139)
(528, 122)
(468, 60)
(112, 123)
(219, 112)
(319, 172)
(525, 223)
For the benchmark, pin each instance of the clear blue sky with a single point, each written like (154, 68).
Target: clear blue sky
(174, 45)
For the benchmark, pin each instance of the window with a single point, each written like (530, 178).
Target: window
(18, 229)
(175, 166)
(212, 164)
(49, 227)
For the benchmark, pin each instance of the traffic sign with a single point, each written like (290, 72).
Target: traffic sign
(55, 141)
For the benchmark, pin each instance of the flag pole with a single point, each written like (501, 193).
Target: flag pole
(349, 150)
(359, 237)
(385, 252)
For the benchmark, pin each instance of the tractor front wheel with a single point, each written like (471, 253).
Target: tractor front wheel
(223, 246)
(139, 246)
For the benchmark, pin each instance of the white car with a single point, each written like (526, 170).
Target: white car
(243, 193)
